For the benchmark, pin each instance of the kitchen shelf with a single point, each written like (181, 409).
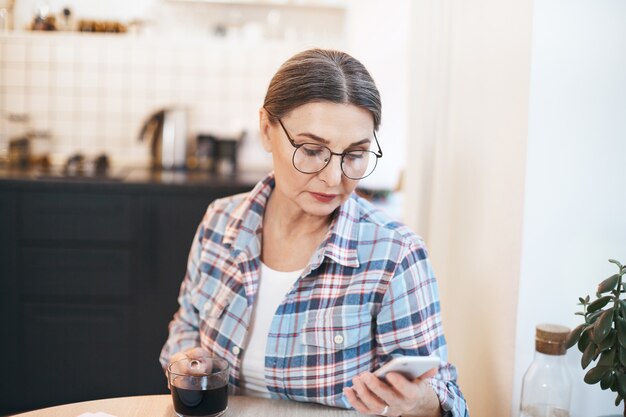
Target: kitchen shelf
(337, 5)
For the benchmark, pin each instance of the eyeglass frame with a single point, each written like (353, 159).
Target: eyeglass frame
(297, 146)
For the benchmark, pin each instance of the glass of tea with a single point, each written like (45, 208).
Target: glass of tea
(199, 386)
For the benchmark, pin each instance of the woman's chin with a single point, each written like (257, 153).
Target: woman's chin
(321, 209)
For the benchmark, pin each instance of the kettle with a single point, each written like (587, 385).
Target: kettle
(166, 130)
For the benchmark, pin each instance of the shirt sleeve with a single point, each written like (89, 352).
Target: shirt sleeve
(184, 327)
(409, 323)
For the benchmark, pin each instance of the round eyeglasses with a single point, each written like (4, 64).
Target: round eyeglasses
(311, 158)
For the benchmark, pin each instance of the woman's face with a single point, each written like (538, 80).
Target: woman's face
(340, 127)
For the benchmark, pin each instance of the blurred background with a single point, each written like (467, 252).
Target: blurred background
(504, 133)
(91, 91)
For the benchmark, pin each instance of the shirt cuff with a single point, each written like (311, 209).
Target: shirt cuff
(445, 399)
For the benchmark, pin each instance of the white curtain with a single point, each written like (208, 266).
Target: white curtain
(468, 118)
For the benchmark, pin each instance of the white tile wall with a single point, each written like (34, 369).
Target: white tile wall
(92, 92)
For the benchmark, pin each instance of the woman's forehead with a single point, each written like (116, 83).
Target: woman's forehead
(331, 118)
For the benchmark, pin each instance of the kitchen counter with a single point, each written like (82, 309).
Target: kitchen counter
(129, 179)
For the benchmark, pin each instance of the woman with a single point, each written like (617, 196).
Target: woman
(301, 285)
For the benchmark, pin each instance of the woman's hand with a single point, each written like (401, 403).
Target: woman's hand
(196, 352)
(192, 353)
(397, 396)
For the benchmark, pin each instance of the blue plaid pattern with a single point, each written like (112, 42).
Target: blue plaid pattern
(368, 294)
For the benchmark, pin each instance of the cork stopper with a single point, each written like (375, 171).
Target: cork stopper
(550, 339)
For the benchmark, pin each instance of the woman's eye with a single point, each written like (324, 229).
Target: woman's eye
(312, 150)
(355, 155)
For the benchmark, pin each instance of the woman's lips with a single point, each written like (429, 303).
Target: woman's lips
(324, 198)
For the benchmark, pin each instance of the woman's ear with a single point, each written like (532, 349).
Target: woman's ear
(264, 127)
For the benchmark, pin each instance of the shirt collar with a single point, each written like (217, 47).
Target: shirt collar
(340, 243)
(243, 230)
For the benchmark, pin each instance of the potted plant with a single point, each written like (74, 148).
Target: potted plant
(602, 337)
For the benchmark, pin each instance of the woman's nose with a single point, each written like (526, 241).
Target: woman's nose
(332, 173)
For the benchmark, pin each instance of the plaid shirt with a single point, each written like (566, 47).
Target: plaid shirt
(367, 294)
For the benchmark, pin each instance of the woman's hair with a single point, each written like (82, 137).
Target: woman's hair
(321, 75)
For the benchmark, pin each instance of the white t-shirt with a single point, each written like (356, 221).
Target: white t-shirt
(273, 286)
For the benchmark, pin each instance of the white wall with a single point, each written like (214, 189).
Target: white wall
(575, 198)
(377, 35)
(94, 92)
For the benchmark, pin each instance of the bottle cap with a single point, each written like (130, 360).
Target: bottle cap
(550, 339)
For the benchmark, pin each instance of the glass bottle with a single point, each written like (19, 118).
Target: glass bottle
(547, 384)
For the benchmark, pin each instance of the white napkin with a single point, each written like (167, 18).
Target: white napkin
(98, 414)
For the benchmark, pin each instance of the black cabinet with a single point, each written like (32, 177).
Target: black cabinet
(8, 298)
(90, 278)
(76, 271)
(76, 216)
(166, 254)
(73, 351)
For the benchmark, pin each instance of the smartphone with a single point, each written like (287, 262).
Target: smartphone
(410, 366)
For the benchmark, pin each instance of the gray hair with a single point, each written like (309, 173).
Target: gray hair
(321, 75)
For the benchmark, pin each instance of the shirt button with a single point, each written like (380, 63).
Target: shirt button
(338, 339)
(236, 350)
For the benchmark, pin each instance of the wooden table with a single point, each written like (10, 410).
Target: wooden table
(161, 406)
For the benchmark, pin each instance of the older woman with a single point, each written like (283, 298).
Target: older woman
(302, 286)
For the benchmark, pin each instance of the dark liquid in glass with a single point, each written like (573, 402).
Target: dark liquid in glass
(190, 402)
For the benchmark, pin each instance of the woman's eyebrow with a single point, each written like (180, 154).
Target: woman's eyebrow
(326, 142)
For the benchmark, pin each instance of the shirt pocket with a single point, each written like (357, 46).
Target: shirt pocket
(209, 301)
(338, 329)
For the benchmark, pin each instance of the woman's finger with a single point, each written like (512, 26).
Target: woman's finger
(194, 353)
(177, 356)
(405, 387)
(382, 390)
(197, 352)
(354, 400)
(367, 397)
(429, 374)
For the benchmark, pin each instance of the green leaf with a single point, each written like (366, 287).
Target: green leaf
(608, 341)
(621, 331)
(621, 385)
(607, 358)
(582, 300)
(574, 335)
(596, 354)
(588, 355)
(594, 375)
(585, 339)
(599, 303)
(613, 261)
(622, 304)
(591, 317)
(603, 326)
(618, 400)
(608, 284)
(587, 299)
(607, 380)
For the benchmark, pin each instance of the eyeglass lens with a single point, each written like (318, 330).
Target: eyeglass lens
(311, 158)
